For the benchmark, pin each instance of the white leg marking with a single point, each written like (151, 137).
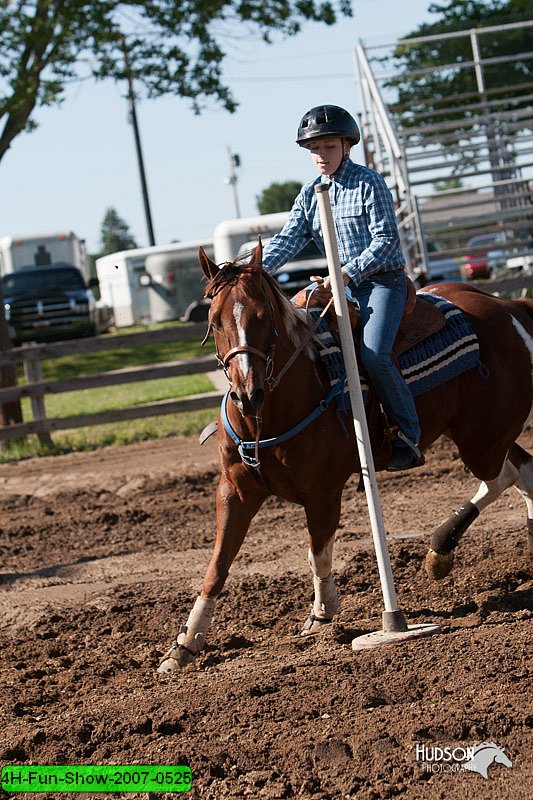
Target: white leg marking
(524, 485)
(528, 341)
(326, 602)
(243, 358)
(489, 491)
(192, 635)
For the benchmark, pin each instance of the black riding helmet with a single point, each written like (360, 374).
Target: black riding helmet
(324, 121)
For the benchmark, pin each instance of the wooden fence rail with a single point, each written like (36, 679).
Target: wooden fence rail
(36, 388)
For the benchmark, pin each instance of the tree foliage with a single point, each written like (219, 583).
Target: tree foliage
(174, 46)
(435, 81)
(115, 233)
(448, 183)
(278, 197)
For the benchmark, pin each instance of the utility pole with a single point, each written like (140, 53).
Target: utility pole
(231, 180)
(133, 114)
(11, 412)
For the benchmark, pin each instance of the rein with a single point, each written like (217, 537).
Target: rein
(268, 358)
(304, 343)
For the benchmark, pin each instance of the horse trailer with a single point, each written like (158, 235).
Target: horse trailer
(17, 252)
(230, 235)
(154, 284)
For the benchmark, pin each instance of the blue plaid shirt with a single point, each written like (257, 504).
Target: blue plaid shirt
(365, 223)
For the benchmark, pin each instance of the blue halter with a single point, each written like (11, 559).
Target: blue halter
(242, 445)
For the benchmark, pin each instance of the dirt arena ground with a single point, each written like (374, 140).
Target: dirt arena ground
(102, 555)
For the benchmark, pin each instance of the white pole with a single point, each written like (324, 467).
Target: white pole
(393, 618)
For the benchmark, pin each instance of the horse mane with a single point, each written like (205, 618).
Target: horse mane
(294, 319)
(228, 274)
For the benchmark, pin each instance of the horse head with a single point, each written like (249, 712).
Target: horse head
(241, 319)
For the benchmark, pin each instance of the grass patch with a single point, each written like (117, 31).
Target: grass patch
(55, 369)
(107, 398)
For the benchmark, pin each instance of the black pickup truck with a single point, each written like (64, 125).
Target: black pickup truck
(47, 303)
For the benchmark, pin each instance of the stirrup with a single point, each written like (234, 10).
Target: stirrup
(404, 455)
(416, 450)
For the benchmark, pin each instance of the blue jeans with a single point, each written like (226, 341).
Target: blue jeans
(381, 301)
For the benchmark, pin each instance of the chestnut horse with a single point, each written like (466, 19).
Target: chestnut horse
(280, 436)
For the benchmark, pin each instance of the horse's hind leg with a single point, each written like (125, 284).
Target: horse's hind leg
(235, 511)
(523, 461)
(322, 521)
(517, 469)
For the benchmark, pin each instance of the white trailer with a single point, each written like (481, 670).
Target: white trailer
(228, 236)
(39, 250)
(154, 284)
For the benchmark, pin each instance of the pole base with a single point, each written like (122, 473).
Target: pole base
(379, 638)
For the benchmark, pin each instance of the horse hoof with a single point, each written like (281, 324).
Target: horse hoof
(314, 625)
(176, 659)
(438, 565)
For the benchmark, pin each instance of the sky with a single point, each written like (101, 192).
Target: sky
(81, 159)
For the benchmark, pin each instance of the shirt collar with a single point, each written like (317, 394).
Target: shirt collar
(342, 173)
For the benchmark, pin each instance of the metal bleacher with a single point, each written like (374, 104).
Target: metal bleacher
(463, 167)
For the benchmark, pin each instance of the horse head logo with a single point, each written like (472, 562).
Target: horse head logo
(485, 754)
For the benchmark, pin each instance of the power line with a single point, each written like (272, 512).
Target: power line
(285, 78)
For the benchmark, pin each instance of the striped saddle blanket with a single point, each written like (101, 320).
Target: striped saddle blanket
(443, 355)
(436, 359)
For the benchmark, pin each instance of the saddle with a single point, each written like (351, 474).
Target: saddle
(419, 321)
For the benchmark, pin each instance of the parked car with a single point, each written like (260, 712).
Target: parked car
(483, 256)
(47, 303)
(296, 274)
(439, 268)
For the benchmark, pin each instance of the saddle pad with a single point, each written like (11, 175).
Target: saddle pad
(330, 354)
(423, 320)
(452, 350)
(448, 352)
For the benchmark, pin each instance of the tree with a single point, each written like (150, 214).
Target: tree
(173, 47)
(278, 197)
(115, 233)
(430, 82)
(448, 183)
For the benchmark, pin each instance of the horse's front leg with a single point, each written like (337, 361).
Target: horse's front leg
(322, 521)
(235, 509)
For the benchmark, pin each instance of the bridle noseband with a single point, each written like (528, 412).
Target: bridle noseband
(268, 358)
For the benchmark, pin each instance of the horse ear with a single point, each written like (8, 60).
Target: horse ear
(257, 258)
(209, 268)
